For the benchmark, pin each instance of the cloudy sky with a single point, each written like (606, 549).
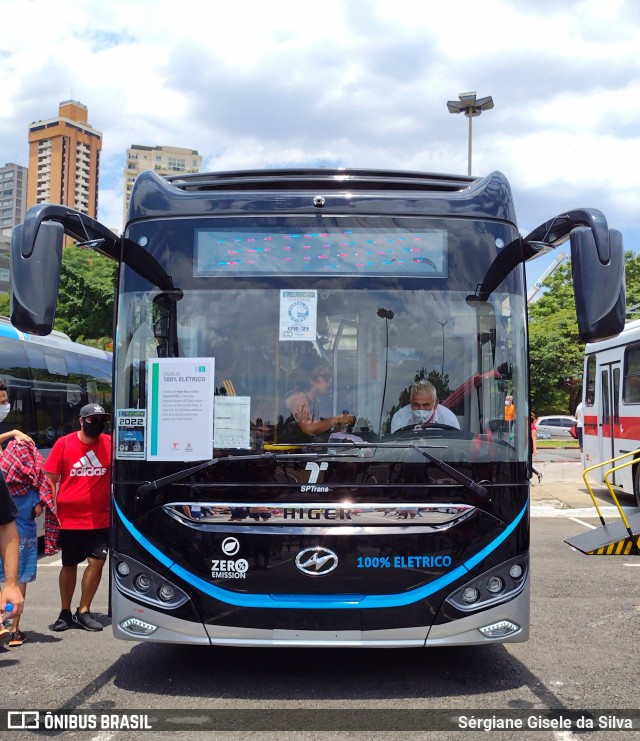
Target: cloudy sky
(362, 83)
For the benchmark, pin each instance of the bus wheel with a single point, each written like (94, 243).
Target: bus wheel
(636, 483)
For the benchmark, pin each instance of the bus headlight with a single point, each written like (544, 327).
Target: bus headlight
(123, 568)
(145, 585)
(499, 630)
(500, 584)
(470, 595)
(166, 593)
(138, 627)
(142, 582)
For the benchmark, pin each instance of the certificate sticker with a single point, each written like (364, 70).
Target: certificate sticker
(298, 315)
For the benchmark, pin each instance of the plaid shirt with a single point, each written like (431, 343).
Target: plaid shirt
(23, 470)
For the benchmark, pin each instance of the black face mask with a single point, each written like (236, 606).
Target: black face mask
(93, 428)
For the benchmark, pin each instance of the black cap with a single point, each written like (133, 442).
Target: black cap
(91, 410)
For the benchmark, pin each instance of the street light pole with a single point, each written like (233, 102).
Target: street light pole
(470, 106)
(470, 117)
(442, 324)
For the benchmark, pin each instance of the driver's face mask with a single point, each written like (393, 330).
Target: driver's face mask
(423, 415)
(4, 410)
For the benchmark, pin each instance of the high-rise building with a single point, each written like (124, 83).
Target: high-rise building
(64, 160)
(13, 195)
(163, 160)
(13, 206)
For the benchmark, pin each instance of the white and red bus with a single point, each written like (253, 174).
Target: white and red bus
(611, 407)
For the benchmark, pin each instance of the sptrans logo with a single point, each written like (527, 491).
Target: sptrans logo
(315, 469)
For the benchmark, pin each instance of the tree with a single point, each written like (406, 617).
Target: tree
(85, 302)
(555, 349)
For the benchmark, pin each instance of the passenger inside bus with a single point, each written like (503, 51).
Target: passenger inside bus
(312, 380)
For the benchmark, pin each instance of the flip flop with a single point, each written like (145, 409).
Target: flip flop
(16, 638)
(4, 635)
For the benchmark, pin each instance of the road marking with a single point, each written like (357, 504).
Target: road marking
(582, 522)
(549, 510)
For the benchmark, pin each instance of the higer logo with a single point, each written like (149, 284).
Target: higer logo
(317, 561)
(88, 465)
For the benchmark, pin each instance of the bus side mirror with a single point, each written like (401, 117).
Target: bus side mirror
(35, 279)
(598, 284)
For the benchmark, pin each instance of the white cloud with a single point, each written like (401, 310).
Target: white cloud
(360, 83)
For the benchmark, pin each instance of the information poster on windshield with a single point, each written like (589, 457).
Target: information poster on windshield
(298, 315)
(232, 422)
(180, 409)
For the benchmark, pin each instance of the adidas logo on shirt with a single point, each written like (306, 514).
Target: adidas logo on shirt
(88, 465)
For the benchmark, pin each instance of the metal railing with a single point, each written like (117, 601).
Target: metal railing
(635, 459)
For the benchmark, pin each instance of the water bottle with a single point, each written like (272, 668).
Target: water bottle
(8, 615)
(345, 427)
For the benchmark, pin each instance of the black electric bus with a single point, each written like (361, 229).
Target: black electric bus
(237, 524)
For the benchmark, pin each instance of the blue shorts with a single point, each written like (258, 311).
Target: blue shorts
(28, 563)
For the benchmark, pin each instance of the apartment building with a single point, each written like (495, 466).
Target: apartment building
(64, 160)
(13, 204)
(163, 160)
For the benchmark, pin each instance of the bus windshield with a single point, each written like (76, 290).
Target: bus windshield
(343, 314)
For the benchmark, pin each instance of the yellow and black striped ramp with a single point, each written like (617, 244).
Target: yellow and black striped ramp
(610, 540)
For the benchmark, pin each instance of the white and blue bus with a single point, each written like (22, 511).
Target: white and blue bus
(48, 381)
(235, 526)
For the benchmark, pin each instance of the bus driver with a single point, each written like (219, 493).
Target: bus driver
(423, 408)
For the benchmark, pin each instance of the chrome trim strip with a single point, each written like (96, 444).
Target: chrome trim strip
(431, 516)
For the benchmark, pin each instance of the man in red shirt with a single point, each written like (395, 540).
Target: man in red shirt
(79, 467)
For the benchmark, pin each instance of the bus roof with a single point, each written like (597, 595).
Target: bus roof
(330, 191)
(55, 339)
(311, 178)
(630, 333)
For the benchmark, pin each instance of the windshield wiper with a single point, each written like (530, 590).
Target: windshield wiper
(173, 478)
(179, 475)
(150, 486)
(468, 483)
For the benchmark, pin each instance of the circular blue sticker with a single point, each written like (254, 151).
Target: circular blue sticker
(299, 311)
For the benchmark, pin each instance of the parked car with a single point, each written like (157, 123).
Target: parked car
(557, 426)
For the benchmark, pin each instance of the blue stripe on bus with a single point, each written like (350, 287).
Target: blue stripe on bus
(321, 602)
(7, 330)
